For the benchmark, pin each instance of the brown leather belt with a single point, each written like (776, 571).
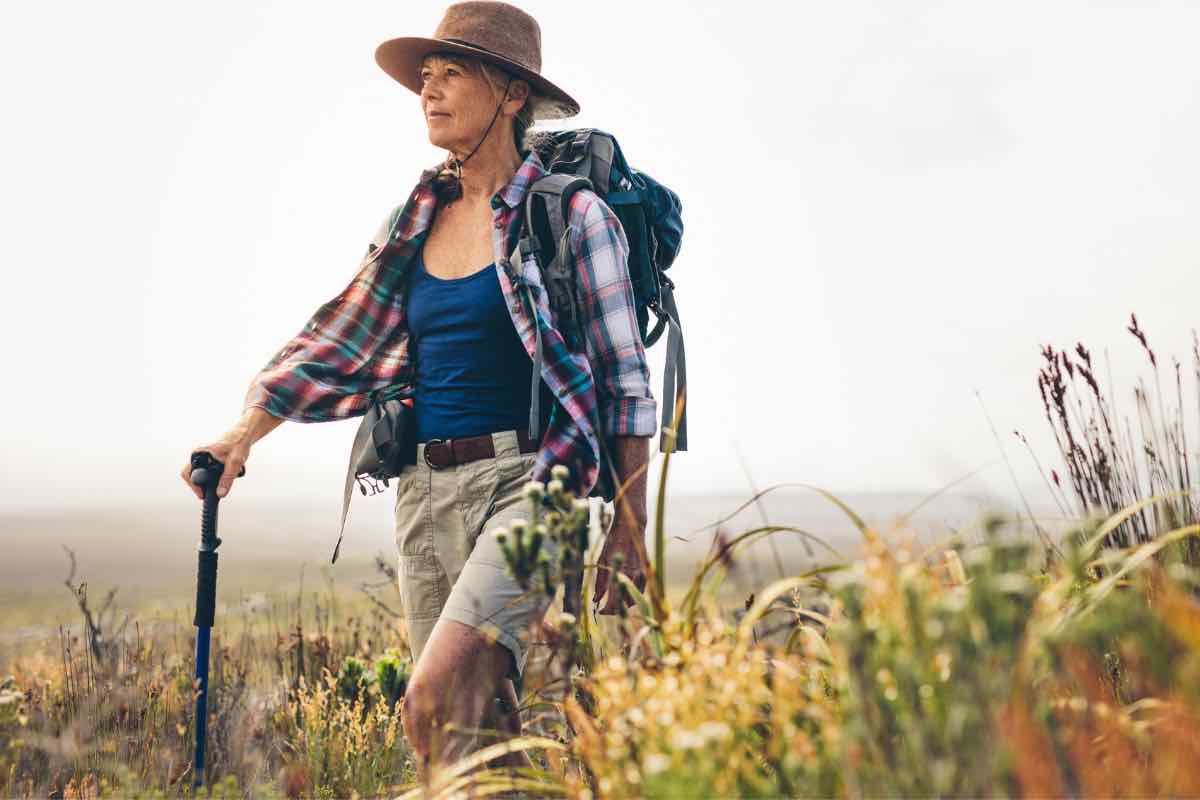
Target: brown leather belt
(442, 453)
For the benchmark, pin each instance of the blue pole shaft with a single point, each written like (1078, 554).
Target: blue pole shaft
(202, 642)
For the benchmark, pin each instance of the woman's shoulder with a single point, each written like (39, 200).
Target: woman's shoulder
(418, 205)
(588, 208)
(593, 226)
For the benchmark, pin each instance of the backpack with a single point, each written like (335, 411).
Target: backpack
(650, 216)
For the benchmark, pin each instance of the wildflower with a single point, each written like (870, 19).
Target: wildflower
(654, 763)
(942, 663)
(715, 729)
(684, 739)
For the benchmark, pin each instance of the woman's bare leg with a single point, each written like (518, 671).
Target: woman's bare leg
(455, 681)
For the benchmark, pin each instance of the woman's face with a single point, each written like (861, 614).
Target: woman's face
(457, 102)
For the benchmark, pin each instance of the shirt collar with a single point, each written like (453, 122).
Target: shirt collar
(514, 191)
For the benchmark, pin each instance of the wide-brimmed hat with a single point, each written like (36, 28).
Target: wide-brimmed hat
(495, 32)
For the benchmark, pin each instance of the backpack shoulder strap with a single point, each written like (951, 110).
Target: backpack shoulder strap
(674, 375)
(598, 164)
(555, 191)
(547, 212)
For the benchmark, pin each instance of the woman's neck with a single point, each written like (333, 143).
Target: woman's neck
(490, 169)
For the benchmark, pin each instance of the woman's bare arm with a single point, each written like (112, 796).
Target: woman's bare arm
(233, 449)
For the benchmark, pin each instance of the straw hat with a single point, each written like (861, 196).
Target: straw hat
(495, 32)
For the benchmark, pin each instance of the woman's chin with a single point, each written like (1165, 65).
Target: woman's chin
(441, 138)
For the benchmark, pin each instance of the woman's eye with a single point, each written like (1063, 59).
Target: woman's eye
(451, 71)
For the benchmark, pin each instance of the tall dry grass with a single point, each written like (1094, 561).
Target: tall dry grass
(287, 717)
(1111, 462)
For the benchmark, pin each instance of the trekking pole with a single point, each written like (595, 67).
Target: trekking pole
(206, 472)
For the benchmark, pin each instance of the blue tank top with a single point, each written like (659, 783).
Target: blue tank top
(472, 372)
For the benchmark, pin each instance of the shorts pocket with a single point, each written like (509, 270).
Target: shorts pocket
(512, 473)
(402, 481)
(512, 469)
(422, 586)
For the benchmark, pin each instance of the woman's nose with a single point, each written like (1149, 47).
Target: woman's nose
(430, 89)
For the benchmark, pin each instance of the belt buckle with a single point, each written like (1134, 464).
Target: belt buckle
(426, 452)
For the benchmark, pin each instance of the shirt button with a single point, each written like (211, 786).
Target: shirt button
(498, 224)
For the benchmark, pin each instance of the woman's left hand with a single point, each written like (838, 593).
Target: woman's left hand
(619, 540)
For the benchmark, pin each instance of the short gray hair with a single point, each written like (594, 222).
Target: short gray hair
(538, 106)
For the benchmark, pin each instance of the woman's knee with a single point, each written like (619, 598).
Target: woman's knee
(422, 709)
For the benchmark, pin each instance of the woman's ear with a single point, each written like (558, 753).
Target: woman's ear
(518, 91)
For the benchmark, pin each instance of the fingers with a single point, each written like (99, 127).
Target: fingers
(615, 600)
(233, 466)
(608, 587)
(232, 459)
(619, 597)
(602, 580)
(639, 580)
(186, 474)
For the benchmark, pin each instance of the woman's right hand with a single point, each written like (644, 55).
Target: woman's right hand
(231, 452)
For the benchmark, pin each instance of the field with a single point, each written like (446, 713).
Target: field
(808, 644)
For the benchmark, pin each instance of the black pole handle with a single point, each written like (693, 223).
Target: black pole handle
(206, 472)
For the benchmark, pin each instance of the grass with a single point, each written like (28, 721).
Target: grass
(285, 718)
(1109, 463)
(983, 665)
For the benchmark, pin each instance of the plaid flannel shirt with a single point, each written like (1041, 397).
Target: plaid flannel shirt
(358, 342)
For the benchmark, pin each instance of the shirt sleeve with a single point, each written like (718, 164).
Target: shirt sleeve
(346, 350)
(609, 319)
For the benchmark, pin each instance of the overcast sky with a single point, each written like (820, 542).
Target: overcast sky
(888, 206)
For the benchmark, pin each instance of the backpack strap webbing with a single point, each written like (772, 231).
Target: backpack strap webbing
(674, 372)
(554, 192)
(520, 284)
(370, 432)
(361, 439)
(600, 160)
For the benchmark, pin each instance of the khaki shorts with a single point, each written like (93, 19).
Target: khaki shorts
(450, 564)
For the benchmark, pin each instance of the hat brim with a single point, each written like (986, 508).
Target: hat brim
(401, 58)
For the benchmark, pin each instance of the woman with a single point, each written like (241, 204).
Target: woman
(438, 308)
